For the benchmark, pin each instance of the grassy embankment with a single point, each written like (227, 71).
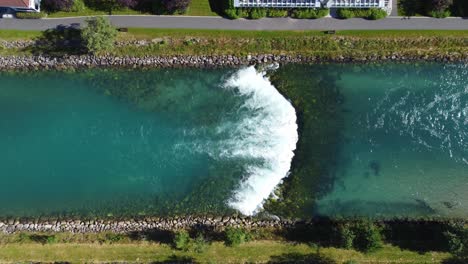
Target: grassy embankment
(90, 248)
(353, 44)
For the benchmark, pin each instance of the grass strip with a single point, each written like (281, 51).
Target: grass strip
(217, 252)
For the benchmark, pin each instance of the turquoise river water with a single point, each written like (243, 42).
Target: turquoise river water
(130, 142)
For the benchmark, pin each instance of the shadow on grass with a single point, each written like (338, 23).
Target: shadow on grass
(61, 40)
(418, 236)
(301, 258)
(176, 260)
(42, 239)
(154, 235)
(455, 260)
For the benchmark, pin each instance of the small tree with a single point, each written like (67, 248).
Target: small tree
(99, 35)
(368, 237)
(182, 240)
(236, 236)
(346, 236)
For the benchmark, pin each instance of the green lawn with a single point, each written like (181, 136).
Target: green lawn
(217, 252)
(196, 8)
(200, 8)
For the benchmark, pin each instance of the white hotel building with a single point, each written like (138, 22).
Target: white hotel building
(314, 3)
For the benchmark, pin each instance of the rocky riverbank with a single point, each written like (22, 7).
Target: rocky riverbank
(91, 61)
(135, 225)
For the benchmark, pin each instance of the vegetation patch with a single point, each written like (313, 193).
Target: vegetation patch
(30, 15)
(434, 8)
(367, 13)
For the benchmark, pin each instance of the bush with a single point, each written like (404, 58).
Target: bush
(175, 6)
(30, 15)
(57, 5)
(368, 13)
(257, 13)
(277, 12)
(441, 5)
(368, 237)
(113, 238)
(440, 14)
(51, 240)
(200, 244)
(98, 35)
(310, 13)
(242, 13)
(236, 236)
(231, 13)
(182, 240)
(78, 6)
(376, 13)
(346, 13)
(24, 238)
(345, 236)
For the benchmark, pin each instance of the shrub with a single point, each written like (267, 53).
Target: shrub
(30, 15)
(441, 5)
(242, 13)
(182, 240)
(309, 13)
(114, 238)
(368, 13)
(57, 5)
(98, 35)
(345, 236)
(376, 13)
(257, 13)
(231, 13)
(345, 13)
(23, 238)
(277, 12)
(236, 236)
(175, 6)
(368, 237)
(440, 14)
(78, 6)
(200, 244)
(51, 240)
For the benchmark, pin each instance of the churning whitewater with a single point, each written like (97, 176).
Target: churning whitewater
(268, 135)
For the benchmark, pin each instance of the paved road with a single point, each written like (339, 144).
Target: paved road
(262, 24)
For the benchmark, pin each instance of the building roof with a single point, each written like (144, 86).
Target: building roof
(15, 3)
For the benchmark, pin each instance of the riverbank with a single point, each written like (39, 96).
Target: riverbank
(72, 62)
(216, 48)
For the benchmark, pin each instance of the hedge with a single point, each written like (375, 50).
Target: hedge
(30, 15)
(368, 13)
(257, 13)
(277, 12)
(309, 13)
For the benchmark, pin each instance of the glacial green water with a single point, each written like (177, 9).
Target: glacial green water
(141, 142)
(379, 140)
(402, 144)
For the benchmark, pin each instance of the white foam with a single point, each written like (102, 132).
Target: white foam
(268, 135)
